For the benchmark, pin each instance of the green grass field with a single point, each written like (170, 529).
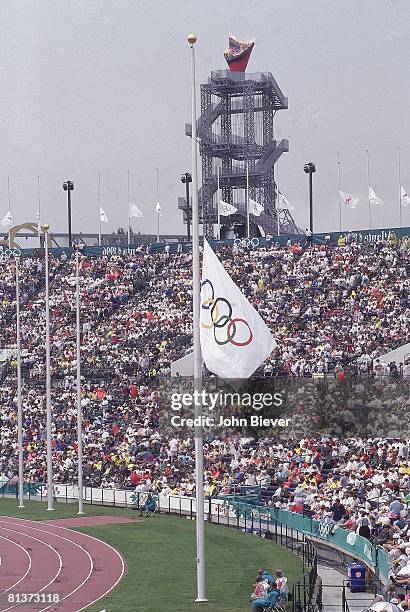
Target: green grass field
(160, 552)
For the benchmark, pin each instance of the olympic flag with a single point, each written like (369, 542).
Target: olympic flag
(255, 208)
(234, 338)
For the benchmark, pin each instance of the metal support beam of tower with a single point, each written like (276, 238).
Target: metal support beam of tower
(236, 130)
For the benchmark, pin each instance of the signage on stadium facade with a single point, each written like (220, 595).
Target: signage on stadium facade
(361, 236)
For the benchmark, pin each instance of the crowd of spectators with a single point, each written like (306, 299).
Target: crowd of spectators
(270, 592)
(334, 312)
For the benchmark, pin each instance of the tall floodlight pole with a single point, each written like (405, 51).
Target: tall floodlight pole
(310, 168)
(186, 179)
(19, 400)
(50, 496)
(199, 451)
(68, 186)
(79, 410)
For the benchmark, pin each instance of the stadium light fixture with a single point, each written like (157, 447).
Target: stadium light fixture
(186, 179)
(68, 186)
(310, 168)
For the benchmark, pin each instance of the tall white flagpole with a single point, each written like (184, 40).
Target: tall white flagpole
(157, 170)
(277, 201)
(50, 495)
(128, 196)
(247, 199)
(79, 409)
(368, 188)
(8, 192)
(99, 208)
(218, 204)
(199, 451)
(399, 175)
(19, 400)
(338, 182)
(38, 212)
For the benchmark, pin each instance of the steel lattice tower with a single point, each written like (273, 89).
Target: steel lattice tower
(236, 131)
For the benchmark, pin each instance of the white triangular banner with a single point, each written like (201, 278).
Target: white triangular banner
(373, 198)
(349, 200)
(405, 198)
(255, 208)
(103, 216)
(284, 203)
(226, 209)
(134, 211)
(7, 219)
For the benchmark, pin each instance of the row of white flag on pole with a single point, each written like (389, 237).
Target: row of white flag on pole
(226, 209)
(256, 209)
(374, 200)
(133, 211)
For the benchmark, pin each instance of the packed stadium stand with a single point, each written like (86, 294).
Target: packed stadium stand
(334, 311)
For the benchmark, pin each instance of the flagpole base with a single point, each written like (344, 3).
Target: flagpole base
(200, 600)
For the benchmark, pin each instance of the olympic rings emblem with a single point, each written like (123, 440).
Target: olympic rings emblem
(8, 254)
(220, 311)
(246, 242)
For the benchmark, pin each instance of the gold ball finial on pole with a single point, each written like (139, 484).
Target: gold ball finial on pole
(46, 227)
(192, 39)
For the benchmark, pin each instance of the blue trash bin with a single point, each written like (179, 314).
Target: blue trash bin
(356, 573)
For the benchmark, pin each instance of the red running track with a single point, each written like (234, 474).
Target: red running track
(50, 562)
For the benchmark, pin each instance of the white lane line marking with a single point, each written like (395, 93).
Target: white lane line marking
(113, 549)
(44, 544)
(23, 526)
(100, 542)
(29, 564)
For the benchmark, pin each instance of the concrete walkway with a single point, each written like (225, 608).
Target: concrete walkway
(332, 581)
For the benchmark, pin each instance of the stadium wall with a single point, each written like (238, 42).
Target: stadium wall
(364, 236)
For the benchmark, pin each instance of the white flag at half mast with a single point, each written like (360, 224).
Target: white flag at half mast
(405, 198)
(103, 216)
(226, 209)
(134, 211)
(234, 338)
(373, 198)
(349, 200)
(7, 219)
(284, 203)
(255, 208)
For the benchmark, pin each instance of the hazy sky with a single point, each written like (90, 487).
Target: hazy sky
(92, 85)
